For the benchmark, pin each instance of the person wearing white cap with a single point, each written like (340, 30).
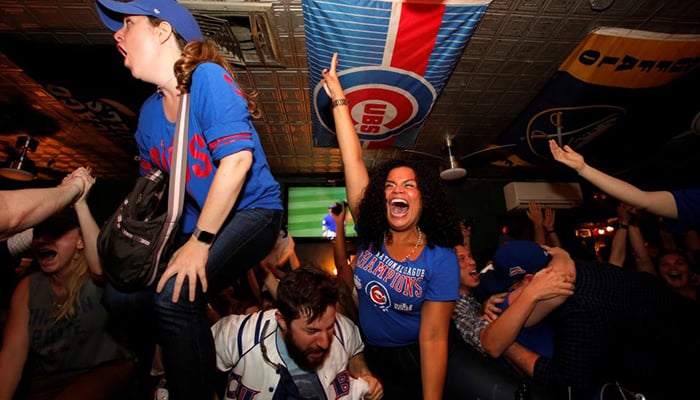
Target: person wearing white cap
(233, 210)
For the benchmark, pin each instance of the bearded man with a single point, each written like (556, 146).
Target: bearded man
(302, 349)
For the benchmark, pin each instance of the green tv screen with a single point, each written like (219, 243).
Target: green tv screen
(308, 206)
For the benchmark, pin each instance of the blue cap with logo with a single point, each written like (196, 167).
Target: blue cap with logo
(511, 262)
(112, 13)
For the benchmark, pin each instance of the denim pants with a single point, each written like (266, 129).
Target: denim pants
(183, 330)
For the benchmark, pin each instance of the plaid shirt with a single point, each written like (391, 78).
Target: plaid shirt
(467, 319)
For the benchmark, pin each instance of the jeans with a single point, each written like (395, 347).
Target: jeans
(183, 330)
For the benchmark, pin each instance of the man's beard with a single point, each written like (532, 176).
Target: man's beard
(300, 356)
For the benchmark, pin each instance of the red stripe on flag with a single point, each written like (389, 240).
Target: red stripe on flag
(416, 35)
(380, 144)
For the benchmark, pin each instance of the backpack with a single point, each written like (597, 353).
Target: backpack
(135, 243)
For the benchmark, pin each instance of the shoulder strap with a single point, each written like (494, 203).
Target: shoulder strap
(178, 173)
(178, 162)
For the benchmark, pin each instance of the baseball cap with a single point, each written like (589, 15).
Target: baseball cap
(511, 262)
(57, 224)
(112, 14)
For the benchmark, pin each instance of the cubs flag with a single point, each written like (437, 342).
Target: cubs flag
(618, 89)
(394, 58)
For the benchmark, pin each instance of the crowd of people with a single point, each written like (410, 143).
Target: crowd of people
(410, 315)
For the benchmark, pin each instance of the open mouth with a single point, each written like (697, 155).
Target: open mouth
(674, 274)
(398, 207)
(121, 50)
(317, 354)
(474, 273)
(45, 254)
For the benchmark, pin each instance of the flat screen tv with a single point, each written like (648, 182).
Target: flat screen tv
(307, 206)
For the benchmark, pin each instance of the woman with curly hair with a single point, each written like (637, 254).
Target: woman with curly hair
(406, 274)
(232, 211)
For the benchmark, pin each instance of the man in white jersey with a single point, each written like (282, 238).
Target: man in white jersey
(301, 349)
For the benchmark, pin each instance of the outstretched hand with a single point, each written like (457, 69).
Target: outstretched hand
(567, 156)
(534, 213)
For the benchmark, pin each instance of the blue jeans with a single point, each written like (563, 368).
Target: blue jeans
(183, 330)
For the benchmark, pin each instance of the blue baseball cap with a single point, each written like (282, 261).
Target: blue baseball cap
(511, 262)
(112, 13)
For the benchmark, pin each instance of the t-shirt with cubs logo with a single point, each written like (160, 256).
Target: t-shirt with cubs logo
(391, 292)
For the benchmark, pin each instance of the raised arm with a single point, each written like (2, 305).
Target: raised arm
(659, 203)
(618, 246)
(534, 213)
(340, 251)
(642, 260)
(550, 232)
(23, 208)
(356, 176)
(88, 226)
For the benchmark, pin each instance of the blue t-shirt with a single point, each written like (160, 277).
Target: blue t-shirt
(688, 205)
(391, 293)
(538, 338)
(219, 125)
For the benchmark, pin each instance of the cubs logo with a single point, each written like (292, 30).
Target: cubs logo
(516, 270)
(378, 294)
(384, 101)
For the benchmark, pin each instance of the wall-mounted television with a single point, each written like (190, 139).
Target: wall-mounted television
(307, 206)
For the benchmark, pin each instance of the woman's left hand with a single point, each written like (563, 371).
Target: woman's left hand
(189, 261)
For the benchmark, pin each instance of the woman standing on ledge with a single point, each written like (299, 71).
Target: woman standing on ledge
(232, 211)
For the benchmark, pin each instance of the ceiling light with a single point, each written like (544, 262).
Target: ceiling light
(453, 170)
(21, 168)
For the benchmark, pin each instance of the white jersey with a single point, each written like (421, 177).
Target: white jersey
(238, 350)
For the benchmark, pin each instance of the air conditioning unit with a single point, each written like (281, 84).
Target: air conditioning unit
(518, 195)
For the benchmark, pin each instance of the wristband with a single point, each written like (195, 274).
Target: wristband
(340, 102)
(550, 232)
(620, 225)
(203, 236)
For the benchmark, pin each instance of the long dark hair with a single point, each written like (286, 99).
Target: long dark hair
(438, 219)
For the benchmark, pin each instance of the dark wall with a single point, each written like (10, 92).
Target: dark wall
(481, 202)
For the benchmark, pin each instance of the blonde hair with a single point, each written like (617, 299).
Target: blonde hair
(76, 279)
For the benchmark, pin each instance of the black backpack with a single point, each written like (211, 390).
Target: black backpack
(135, 244)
